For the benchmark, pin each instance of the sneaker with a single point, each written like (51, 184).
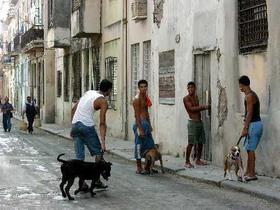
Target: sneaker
(100, 185)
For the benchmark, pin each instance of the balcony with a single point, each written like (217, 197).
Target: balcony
(14, 2)
(85, 18)
(32, 39)
(139, 9)
(17, 43)
(59, 16)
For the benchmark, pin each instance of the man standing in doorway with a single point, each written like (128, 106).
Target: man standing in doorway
(142, 127)
(253, 127)
(30, 110)
(196, 134)
(83, 126)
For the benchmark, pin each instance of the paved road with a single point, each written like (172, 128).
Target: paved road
(30, 175)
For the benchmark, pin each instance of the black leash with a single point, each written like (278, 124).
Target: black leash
(240, 139)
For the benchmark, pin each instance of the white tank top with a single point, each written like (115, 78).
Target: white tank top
(85, 110)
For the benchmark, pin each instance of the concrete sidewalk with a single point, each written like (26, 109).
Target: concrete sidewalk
(264, 187)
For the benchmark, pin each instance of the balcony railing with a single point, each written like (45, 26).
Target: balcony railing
(9, 47)
(34, 36)
(17, 43)
(139, 9)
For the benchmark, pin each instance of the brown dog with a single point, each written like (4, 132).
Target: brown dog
(151, 156)
(234, 159)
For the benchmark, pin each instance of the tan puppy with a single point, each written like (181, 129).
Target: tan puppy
(234, 159)
(151, 156)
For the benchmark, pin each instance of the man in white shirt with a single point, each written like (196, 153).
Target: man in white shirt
(83, 126)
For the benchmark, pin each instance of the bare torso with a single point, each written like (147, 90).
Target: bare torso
(190, 102)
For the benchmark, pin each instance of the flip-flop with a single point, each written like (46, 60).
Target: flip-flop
(201, 163)
(250, 178)
(189, 165)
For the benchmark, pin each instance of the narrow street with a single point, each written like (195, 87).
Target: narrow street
(30, 176)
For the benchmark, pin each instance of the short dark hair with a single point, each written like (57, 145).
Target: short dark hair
(244, 80)
(191, 83)
(105, 85)
(142, 81)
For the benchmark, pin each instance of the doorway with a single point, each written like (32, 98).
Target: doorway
(202, 79)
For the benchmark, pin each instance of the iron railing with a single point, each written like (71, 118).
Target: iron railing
(253, 25)
(36, 33)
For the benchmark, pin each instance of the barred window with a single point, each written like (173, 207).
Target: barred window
(50, 13)
(96, 69)
(59, 85)
(66, 78)
(111, 66)
(253, 26)
(134, 69)
(147, 62)
(77, 77)
(76, 4)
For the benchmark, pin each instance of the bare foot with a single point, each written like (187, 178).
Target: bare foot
(201, 163)
(189, 165)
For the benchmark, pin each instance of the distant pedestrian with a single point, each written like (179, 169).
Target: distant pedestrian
(30, 110)
(253, 127)
(196, 134)
(7, 109)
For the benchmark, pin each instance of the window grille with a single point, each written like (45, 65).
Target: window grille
(50, 13)
(96, 69)
(147, 62)
(76, 4)
(134, 69)
(111, 66)
(77, 79)
(66, 78)
(59, 86)
(253, 25)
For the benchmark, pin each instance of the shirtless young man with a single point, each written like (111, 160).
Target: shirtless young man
(142, 127)
(196, 135)
(253, 126)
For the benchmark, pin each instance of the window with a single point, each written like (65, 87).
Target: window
(66, 78)
(59, 86)
(134, 69)
(111, 67)
(76, 4)
(147, 62)
(77, 78)
(50, 13)
(96, 69)
(253, 26)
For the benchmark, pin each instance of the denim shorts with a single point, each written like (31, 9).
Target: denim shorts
(85, 135)
(142, 145)
(255, 133)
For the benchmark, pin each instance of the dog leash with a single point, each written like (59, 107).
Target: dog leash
(240, 139)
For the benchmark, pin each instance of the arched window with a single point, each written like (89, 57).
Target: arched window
(253, 26)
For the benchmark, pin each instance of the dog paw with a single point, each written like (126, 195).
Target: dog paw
(63, 195)
(76, 192)
(71, 198)
(93, 194)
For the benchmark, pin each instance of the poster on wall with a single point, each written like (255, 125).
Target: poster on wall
(166, 77)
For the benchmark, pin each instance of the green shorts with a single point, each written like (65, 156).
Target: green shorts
(196, 132)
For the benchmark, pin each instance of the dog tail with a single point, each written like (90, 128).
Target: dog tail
(60, 160)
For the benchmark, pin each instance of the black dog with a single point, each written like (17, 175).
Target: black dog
(71, 169)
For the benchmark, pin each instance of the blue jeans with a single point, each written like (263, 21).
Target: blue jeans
(7, 125)
(142, 145)
(85, 135)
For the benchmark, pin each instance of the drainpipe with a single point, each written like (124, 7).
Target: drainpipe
(125, 66)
